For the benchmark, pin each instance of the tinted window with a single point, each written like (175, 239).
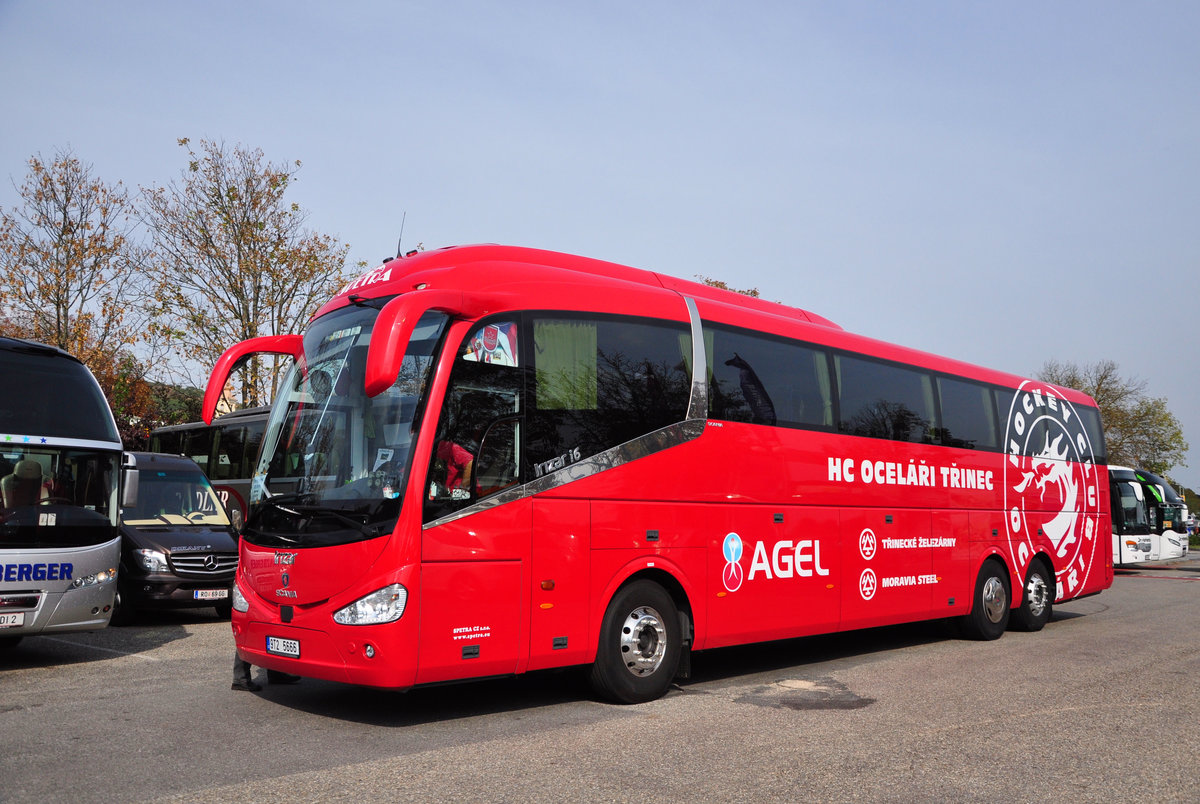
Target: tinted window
(236, 447)
(36, 381)
(1095, 432)
(882, 400)
(968, 415)
(599, 382)
(767, 381)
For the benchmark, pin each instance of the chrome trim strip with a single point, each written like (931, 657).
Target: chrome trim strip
(698, 403)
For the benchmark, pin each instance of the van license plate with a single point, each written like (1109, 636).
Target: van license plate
(210, 594)
(283, 647)
(12, 619)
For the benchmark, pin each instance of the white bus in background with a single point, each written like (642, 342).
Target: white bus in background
(1172, 511)
(1148, 518)
(60, 458)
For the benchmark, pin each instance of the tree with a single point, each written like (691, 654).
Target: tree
(1140, 431)
(71, 275)
(236, 260)
(717, 283)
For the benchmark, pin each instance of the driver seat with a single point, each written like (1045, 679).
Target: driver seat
(25, 486)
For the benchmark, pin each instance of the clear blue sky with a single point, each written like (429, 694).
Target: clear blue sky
(1003, 183)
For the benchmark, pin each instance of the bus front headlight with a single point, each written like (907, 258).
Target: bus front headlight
(238, 600)
(381, 606)
(101, 577)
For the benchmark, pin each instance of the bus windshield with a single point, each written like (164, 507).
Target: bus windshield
(56, 497)
(334, 461)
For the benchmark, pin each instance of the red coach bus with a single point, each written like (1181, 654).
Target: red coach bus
(500, 460)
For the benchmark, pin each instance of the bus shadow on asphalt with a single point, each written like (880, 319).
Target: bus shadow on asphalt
(712, 670)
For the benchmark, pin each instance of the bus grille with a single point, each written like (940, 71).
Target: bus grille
(204, 565)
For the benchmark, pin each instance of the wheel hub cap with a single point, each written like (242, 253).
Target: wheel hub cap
(643, 641)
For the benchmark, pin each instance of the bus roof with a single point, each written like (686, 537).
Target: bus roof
(510, 276)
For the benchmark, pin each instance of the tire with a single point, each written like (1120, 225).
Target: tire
(224, 611)
(1037, 601)
(990, 606)
(640, 643)
(122, 612)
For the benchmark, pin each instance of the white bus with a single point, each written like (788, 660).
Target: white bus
(1148, 518)
(60, 457)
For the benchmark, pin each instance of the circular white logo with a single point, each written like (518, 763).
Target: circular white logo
(867, 584)
(867, 544)
(1051, 485)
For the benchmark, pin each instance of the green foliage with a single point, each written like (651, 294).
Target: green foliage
(1141, 432)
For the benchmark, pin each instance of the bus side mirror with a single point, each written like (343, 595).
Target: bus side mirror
(394, 328)
(233, 356)
(129, 482)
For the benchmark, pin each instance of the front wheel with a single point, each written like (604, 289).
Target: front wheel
(1037, 601)
(990, 606)
(122, 611)
(640, 643)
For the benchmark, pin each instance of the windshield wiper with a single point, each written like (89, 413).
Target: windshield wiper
(324, 510)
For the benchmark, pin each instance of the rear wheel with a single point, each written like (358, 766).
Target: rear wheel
(1037, 601)
(990, 607)
(640, 645)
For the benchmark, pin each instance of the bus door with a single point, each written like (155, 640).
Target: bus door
(888, 566)
(473, 591)
(475, 545)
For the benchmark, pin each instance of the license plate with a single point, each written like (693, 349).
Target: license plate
(283, 647)
(12, 619)
(210, 594)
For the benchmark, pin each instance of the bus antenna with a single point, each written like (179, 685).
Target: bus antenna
(400, 240)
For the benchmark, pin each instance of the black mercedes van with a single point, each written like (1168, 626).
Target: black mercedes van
(178, 549)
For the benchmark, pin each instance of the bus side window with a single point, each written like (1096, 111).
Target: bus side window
(884, 400)
(484, 392)
(767, 380)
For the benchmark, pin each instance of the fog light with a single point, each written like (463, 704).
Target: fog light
(369, 650)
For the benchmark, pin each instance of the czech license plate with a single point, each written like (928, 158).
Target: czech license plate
(210, 594)
(12, 619)
(283, 647)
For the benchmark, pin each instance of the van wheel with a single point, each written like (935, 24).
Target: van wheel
(1038, 599)
(225, 611)
(640, 645)
(990, 606)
